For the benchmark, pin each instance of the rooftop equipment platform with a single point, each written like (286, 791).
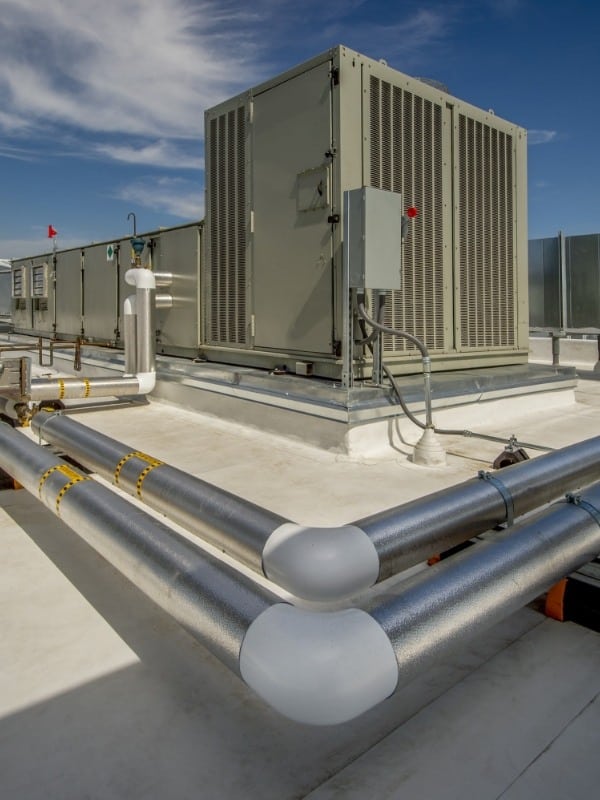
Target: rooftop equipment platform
(104, 696)
(364, 419)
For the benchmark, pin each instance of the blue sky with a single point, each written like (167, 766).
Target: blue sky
(102, 101)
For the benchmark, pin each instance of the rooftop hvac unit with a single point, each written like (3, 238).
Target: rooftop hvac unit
(279, 158)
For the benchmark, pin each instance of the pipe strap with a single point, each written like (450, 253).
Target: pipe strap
(61, 389)
(576, 500)
(506, 495)
(87, 387)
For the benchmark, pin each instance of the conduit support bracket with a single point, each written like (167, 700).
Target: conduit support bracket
(506, 495)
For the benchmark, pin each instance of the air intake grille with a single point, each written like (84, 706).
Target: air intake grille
(227, 228)
(406, 157)
(485, 235)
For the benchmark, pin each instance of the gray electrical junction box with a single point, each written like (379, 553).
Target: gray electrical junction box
(373, 238)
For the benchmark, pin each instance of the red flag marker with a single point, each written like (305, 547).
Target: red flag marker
(51, 232)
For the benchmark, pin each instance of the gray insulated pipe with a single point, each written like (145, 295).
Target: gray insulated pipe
(211, 600)
(328, 564)
(316, 668)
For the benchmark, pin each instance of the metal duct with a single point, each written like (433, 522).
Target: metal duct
(284, 661)
(408, 534)
(82, 388)
(214, 602)
(317, 668)
(328, 563)
(469, 592)
(229, 522)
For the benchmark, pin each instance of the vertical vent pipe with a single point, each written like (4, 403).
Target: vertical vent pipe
(140, 369)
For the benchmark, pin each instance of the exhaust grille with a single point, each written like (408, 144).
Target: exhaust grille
(485, 235)
(406, 157)
(227, 224)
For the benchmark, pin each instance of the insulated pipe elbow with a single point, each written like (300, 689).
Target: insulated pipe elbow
(318, 668)
(140, 278)
(146, 381)
(320, 564)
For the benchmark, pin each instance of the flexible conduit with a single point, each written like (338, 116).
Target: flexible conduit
(327, 564)
(316, 668)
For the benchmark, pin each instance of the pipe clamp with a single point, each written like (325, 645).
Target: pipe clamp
(576, 500)
(506, 495)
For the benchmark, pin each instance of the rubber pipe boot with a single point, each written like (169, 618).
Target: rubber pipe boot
(428, 451)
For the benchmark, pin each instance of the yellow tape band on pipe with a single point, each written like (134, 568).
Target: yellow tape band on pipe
(64, 469)
(86, 391)
(61, 389)
(150, 460)
(65, 489)
(144, 474)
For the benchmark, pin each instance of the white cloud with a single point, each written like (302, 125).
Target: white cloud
(161, 153)
(129, 80)
(17, 153)
(541, 137)
(144, 67)
(175, 196)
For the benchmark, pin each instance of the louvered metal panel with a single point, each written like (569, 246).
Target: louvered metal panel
(227, 225)
(485, 249)
(406, 157)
